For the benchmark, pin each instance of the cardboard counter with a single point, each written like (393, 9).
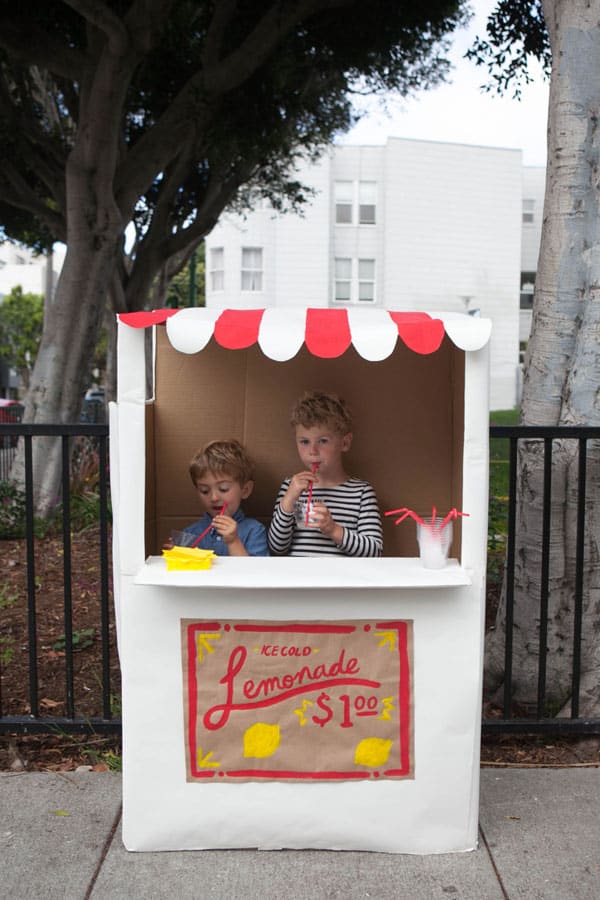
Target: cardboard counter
(301, 703)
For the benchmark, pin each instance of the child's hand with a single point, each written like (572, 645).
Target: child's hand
(322, 519)
(168, 544)
(299, 483)
(227, 528)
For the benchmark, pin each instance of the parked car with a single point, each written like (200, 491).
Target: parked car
(93, 409)
(11, 413)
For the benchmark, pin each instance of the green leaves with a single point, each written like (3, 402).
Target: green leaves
(80, 640)
(516, 34)
(21, 319)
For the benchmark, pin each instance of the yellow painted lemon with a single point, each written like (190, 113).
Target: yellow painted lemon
(261, 740)
(372, 752)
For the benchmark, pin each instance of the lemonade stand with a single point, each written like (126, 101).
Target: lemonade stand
(319, 702)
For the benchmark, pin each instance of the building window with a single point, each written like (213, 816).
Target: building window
(343, 202)
(343, 280)
(354, 280)
(527, 288)
(528, 212)
(522, 351)
(367, 202)
(252, 269)
(217, 269)
(366, 280)
(355, 202)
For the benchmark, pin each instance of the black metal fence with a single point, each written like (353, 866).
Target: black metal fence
(541, 722)
(98, 670)
(107, 719)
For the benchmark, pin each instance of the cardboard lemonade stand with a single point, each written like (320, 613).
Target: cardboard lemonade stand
(323, 702)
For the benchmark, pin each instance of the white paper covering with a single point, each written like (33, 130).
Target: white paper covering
(282, 331)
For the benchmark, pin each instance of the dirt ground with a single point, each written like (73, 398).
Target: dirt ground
(63, 752)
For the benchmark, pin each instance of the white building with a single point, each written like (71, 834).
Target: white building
(534, 184)
(35, 273)
(409, 225)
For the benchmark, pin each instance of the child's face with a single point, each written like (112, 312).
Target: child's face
(215, 489)
(321, 444)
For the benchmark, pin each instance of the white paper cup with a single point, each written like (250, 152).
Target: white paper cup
(434, 544)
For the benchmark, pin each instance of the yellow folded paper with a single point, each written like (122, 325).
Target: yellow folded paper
(188, 558)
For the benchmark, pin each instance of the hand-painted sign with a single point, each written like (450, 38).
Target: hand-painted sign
(312, 701)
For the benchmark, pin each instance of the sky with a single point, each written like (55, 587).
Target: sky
(460, 112)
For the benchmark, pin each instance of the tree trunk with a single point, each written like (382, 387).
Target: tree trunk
(562, 380)
(63, 362)
(95, 227)
(110, 375)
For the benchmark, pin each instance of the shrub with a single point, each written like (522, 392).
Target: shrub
(13, 506)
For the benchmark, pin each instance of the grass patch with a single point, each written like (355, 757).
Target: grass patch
(499, 485)
(505, 416)
(499, 446)
(499, 453)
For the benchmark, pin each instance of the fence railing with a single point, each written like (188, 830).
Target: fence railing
(541, 721)
(107, 720)
(99, 608)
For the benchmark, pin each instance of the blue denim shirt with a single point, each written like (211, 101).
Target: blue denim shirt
(252, 534)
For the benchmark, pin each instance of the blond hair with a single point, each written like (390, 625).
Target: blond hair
(222, 458)
(319, 408)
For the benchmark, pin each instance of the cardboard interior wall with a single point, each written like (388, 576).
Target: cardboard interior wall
(408, 433)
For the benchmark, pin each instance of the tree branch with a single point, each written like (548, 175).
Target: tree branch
(159, 228)
(157, 147)
(144, 19)
(35, 145)
(21, 38)
(102, 17)
(219, 192)
(16, 191)
(222, 17)
(276, 24)
(155, 150)
(37, 163)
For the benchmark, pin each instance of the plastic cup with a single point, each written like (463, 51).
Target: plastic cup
(183, 538)
(434, 544)
(303, 510)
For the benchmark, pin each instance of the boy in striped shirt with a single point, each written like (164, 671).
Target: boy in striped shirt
(343, 519)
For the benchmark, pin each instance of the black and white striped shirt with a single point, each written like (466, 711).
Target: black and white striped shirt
(353, 505)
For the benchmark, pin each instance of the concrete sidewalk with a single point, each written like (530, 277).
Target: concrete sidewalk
(539, 840)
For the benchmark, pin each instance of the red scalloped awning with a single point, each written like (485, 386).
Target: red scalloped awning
(327, 333)
(146, 318)
(236, 329)
(419, 330)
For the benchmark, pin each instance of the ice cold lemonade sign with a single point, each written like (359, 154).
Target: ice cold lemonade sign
(312, 701)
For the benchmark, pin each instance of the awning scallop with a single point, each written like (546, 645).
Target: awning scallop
(280, 332)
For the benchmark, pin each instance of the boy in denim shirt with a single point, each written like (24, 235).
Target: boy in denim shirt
(222, 473)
